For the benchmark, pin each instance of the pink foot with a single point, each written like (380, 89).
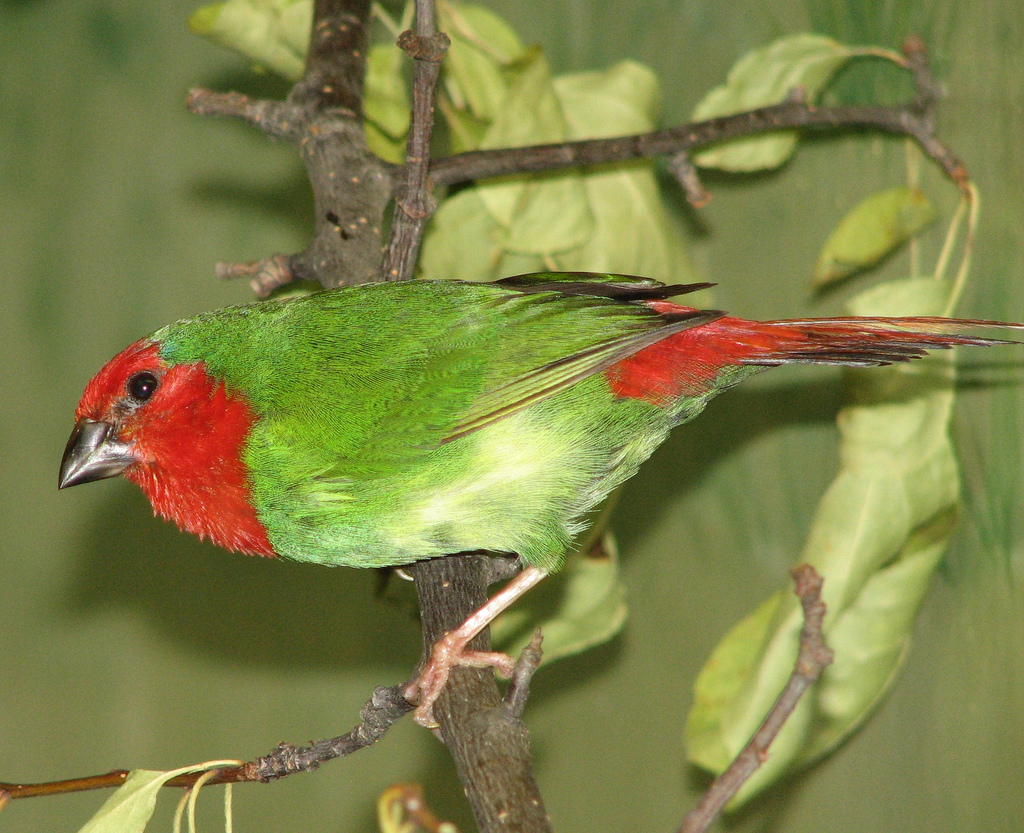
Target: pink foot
(450, 651)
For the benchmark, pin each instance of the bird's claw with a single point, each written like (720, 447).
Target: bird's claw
(449, 652)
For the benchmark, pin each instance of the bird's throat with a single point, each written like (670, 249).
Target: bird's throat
(191, 465)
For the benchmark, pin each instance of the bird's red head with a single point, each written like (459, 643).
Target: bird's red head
(176, 432)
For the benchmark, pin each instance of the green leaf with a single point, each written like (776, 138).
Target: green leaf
(581, 606)
(633, 233)
(465, 131)
(763, 77)
(546, 213)
(273, 33)
(485, 30)
(611, 219)
(872, 637)
(877, 537)
(721, 682)
(623, 99)
(871, 230)
(482, 47)
(131, 806)
(463, 241)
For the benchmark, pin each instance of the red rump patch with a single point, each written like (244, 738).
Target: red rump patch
(684, 364)
(189, 438)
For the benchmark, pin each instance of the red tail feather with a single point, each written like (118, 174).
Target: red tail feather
(688, 363)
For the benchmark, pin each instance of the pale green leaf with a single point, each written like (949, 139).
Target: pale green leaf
(534, 219)
(482, 46)
(623, 99)
(553, 215)
(581, 606)
(721, 681)
(871, 230)
(273, 33)
(131, 806)
(877, 537)
(633, 232)
(918, 296)
(529, 114)
(872, 637)
(482, 28)
(465, 131)
(520, 263)
(542, 214)
(463, 241)
(762, 77)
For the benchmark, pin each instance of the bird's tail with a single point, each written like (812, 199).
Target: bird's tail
(697, 360)
(856, 342)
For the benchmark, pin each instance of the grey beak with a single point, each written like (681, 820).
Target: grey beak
(93, 453)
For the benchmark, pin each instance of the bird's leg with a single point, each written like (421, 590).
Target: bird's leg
(450, 650)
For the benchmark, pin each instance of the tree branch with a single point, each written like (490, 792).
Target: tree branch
(323, 116)
(915, 119)
(349, 208)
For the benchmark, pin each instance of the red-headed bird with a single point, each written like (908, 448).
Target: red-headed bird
(383, 424)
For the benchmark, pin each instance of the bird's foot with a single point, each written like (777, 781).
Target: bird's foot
(450, 651)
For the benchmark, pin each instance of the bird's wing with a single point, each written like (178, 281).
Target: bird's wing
(546, 379)
(463, 356)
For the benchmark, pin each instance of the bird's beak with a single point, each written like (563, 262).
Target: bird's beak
(93, 453)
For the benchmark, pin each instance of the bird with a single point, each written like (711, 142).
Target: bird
(382, 424)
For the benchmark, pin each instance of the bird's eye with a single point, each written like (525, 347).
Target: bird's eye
(142, 385)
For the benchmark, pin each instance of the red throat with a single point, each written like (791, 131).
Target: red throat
(189, 438)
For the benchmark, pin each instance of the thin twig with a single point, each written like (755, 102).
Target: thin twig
(380, 713)
(414, 200)
(682, 168)
(482, 164)
(268, 116)
(813, 658)
(265, 276)
(519, 686)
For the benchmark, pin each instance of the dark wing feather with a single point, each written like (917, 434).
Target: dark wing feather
(625, 288)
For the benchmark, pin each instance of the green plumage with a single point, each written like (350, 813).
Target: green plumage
(403, 421)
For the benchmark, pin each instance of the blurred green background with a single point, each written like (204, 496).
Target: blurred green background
(126, 644)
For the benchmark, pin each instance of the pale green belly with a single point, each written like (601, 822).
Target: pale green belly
(519, 485)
